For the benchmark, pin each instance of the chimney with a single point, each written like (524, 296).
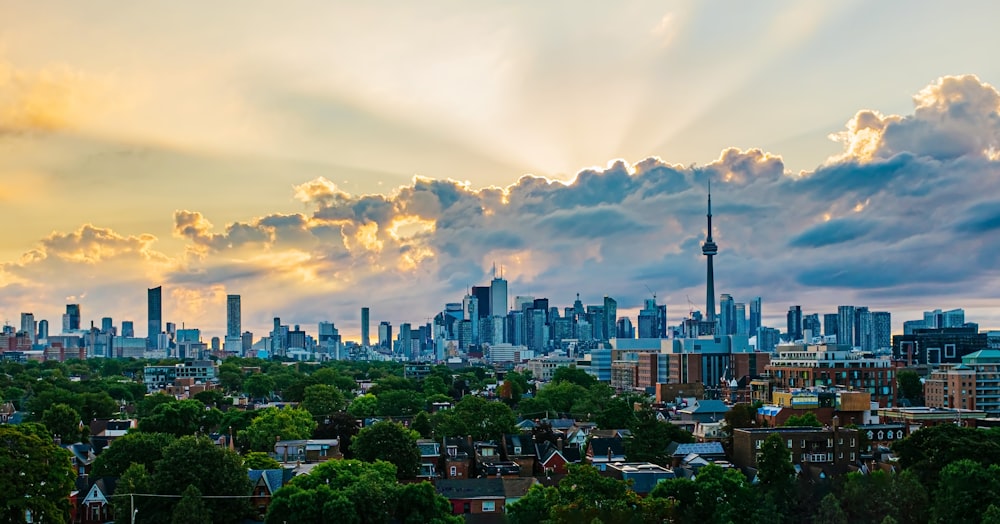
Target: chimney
(559, 443)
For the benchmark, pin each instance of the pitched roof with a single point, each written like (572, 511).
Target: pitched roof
(517, 487)
(701, 448)
(488, 488)
(274, 479)
(707, 406)
(601, 447)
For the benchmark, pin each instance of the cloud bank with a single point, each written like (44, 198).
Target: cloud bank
(901, 219)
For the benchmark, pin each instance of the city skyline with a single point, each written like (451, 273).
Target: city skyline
(271, 169)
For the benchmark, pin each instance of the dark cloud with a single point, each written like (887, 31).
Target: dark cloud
(981, 218)
(829, 233)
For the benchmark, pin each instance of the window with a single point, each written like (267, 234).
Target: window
(453, 471)
(489, 506)
(852, 457)
(789, 443)
(758, 444)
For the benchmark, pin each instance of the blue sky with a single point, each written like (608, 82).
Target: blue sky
(322, 156)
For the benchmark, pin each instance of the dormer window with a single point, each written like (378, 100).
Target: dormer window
(452, 451)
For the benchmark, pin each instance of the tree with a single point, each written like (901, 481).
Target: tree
(134, 479)
(534, 507)
(340, 426)
(190, 509)
(574, 375)
(434, 385)
(391, 442)
(36, 476)
(910, 387)
(476, 417)
(148, 403)
(215, 471)
(364, 406)
(322, 400)
(619, 414)
(805, 420)
(97, 405)
(422, 424)
(716, 495)
(927, 451)
(258, 385)
(776, 474)
(967, 488)
(829, 511)
(992, 515)
(351, 491)
(183, 417)
(134, 447)
(272, 423)
(561, 396)
(212, 398)
(650, 439)
(399, 403)
(260, 460)
(64, 422)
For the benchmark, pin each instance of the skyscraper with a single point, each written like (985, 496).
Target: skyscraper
(498, 296)
(741, 319)
(154, 315)
(610, 316)
(830, 324)
(365, 340)
(811, 324)
(482, 294)
(845, 325)
(234, 318)
(28, 326)
(755, 312)
(43, 329)
(128, 329)
(385, 334)
(72, 318)
(881, 329)
(727, 315)
(863, 328)
(794, 331)
(709, 249)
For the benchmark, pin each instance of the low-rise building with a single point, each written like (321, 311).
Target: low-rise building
(834, 450)
(801, 366)
(973, 384)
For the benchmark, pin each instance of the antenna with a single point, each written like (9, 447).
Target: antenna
(651, 292)
(690, 305)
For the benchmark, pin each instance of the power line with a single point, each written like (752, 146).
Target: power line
(181, 496)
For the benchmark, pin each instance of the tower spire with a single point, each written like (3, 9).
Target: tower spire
(709, 249)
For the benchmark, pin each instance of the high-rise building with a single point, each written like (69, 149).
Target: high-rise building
(28, 326)
(810, 324)
(234, 318)
(794, 331)
(882, 329)
(648, 321)
(845, 325)
(71, 321)
(741, 319)
(863, 328)
(385, 334)
(128, 329)
(610, 315)
(154, 315)
(470, 312)
(406, 341)
(482, 294)
(107, 325)
(365, 320)
(755, 312)
(43, 329)
(727, 315)
(709, 249)
(498, 296)
(830, 324)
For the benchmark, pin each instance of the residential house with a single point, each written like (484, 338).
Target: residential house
(311, 450)
(430, 458)
(605, 450)
(521, 450)
(515, 488)
(95, 507)
(474, 497)
(458, 458)
(265, 483)
(709, 451)
(104, 431)
(643, 475)
(552, 459)
(82, 456)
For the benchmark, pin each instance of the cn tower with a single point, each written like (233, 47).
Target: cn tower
(709, 249)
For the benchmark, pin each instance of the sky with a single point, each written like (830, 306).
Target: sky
(318, 157)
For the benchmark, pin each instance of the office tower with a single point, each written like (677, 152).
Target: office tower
(43, 329)
(247, 341)
(470, 312)
(482, 294)
(830, 324)
(498, 296)
(28, 326)
(523, 302)
(741, 319)
(405, 342)
(755, 312)
(881, 329)
(845, 325)
(709, 249)
(794, 317)
(128, 328)
(154, 315)
(811, 324)
(610, 315)
(624, 328)
(727, 315)
(365, 340)
(71, 321)
(107, 325)
(536, 329)
(515, 327)
(647, 322)
(578, 307)
(863, 328)
(595, 315)
(216, 344)
(234, 317)
(385, 335)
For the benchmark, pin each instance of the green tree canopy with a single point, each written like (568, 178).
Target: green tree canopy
(183, 417)
(391, 442)
(650, 438)
(134, 447)
(476, 417)
(351, 491)
(64, 421)
(322, 400)
(215, 471)
(909, 386)
(363, 406)
(716, 495)
(35, 475)
(190, 509)
(806, 419)
(260, 460)
(928, 451)
(967, 488)
(258, 385)
(271, 423)
(574, 375)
